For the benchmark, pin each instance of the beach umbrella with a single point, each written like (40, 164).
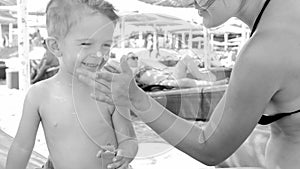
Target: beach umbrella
(34, 7)
(8, 2)
(141, 22)
(184, 4)
(171, 3)
(6, 18)
(152, 19)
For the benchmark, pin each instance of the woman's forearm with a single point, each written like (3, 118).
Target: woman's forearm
(180, 133)
(160, 119)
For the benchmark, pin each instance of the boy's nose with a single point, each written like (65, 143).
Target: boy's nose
(99, 53)
(105, 56)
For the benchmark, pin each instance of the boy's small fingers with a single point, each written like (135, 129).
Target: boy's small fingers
(116, 164)
(125, 165)
(117, 158)
(99, 154)
(119, 154)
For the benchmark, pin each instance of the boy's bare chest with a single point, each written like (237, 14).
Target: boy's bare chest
(68, 111)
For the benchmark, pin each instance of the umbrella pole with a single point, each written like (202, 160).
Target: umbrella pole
(154, 37)
(190, 39)
(23, 46)
(1, 38)
(207, 56)
(123, 32)
(10, 34)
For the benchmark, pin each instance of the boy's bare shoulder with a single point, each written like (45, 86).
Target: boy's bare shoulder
(39, 89)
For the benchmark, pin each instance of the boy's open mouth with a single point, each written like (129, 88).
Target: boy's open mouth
(95, 61)
(92, 65)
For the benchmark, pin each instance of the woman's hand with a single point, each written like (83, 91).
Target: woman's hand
(112, 88)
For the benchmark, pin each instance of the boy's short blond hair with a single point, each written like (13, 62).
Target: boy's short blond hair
(61, 15)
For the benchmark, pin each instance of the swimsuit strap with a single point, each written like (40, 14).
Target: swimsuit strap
(259, 17)
(268, 119)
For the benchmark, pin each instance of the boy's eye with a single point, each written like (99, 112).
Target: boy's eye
(85, 44)
(107, 45)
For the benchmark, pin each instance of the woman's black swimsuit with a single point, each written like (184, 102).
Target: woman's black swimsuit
(268, 119)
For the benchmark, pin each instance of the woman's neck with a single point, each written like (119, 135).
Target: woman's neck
(249, 11)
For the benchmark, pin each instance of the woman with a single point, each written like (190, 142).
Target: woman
(264, 87)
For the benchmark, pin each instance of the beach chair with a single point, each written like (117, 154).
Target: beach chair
(191, 103)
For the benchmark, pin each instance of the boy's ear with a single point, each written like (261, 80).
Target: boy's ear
(53, 47)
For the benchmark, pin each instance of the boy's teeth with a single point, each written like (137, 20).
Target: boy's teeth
(90, 64)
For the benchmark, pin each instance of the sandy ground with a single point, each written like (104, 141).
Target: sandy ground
(153, 151)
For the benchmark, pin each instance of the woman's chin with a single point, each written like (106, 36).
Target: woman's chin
(209, 23)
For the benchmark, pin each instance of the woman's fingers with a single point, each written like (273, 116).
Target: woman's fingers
(99, 85)
(124, 66)
(107, 76)
(101, 82)
(102, 98)
(97, 76)
(87, 80)
(84, 72)
(119, 155)
(98, 155)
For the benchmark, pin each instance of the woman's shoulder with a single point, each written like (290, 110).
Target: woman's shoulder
(264, 48)
(261, 58)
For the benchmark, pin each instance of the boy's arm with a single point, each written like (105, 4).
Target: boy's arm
(21, 148)
(127, 141)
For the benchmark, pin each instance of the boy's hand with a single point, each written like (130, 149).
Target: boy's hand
(119, 160)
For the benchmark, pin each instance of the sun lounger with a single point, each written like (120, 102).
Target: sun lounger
(191, 103)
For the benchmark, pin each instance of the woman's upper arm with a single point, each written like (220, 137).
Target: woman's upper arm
(252, 85)
(30, 120)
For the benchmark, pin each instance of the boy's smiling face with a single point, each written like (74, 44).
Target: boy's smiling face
(87, 43)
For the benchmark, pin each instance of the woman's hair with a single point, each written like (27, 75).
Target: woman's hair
(131, 54)
(61, 15)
